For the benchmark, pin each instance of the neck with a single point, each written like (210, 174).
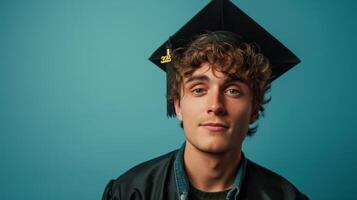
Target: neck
(211, 172)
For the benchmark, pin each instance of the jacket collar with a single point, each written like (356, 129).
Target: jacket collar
(182, 183)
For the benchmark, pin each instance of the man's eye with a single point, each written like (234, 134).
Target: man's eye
(233, 92)
(198, 91)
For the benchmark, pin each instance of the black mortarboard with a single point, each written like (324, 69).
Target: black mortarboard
(224, 15)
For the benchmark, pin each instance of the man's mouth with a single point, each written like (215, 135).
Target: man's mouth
(215, 127)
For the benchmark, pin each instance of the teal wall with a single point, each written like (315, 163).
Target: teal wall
(80, 103)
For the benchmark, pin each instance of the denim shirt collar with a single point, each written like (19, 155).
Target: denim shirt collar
(182, 183)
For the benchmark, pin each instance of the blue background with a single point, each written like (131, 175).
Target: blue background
(80, 103)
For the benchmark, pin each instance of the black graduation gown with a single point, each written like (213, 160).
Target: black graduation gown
(154, 180)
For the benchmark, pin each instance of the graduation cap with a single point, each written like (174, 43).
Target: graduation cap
(223, 15)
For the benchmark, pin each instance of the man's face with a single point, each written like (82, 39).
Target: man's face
(215, 110)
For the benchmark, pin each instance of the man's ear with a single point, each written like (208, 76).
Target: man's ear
(178, 109)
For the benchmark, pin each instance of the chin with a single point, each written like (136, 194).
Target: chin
(212, 146)
(216, 150)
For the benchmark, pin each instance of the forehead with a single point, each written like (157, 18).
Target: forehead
(206, 73)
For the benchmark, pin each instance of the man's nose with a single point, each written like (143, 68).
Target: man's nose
(216, 103)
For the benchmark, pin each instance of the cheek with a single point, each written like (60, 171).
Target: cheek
(192, 106)
(191, 112)
(241, 112)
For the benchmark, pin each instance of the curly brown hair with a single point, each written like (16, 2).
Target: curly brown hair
(226, 53)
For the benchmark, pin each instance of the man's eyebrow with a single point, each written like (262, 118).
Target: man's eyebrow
(197, 78)
(231, 79)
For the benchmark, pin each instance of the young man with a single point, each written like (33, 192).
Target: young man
(216, 86)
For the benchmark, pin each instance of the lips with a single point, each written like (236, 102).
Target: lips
(215, 127)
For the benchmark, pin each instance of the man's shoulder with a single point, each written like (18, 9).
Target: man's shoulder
(265, 174)
(262, 179)
(146, 176)
(148, 170)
